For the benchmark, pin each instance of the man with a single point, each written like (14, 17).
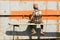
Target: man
(36, 18)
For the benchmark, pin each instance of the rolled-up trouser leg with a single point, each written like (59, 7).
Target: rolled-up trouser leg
(41, 26)
(42, 31)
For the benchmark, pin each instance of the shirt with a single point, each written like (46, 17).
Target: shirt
(36, 16)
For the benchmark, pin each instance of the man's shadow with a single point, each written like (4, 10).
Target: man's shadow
(27, 32)
(24, 33)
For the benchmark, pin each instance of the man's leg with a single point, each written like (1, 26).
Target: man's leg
(33, 29)
(42, 31)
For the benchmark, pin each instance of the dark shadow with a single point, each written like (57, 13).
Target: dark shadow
(24, 33)
(28, 33)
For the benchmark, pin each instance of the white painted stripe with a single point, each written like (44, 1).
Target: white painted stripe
(52, 5)
(48, 37)
(59, 5)
(51, 21)
(23, 37)
(26, 5)
(4, 8)
(35, 37)
(51, 28)
(6, 5)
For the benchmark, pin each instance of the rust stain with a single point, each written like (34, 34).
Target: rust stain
(29, 12)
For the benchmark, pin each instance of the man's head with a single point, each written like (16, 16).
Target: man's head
(35, 6)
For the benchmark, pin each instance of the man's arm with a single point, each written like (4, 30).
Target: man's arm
(31, 17)
(40, 13)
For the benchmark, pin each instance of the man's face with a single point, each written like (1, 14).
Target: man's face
(36, 6)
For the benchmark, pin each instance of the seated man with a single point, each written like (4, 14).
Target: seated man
(36, 18)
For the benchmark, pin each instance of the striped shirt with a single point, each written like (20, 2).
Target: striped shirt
(37, 15)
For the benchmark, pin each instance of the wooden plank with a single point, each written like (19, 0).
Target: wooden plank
(32, 24)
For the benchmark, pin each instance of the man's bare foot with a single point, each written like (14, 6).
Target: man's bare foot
(42, 32)
(33, 32)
